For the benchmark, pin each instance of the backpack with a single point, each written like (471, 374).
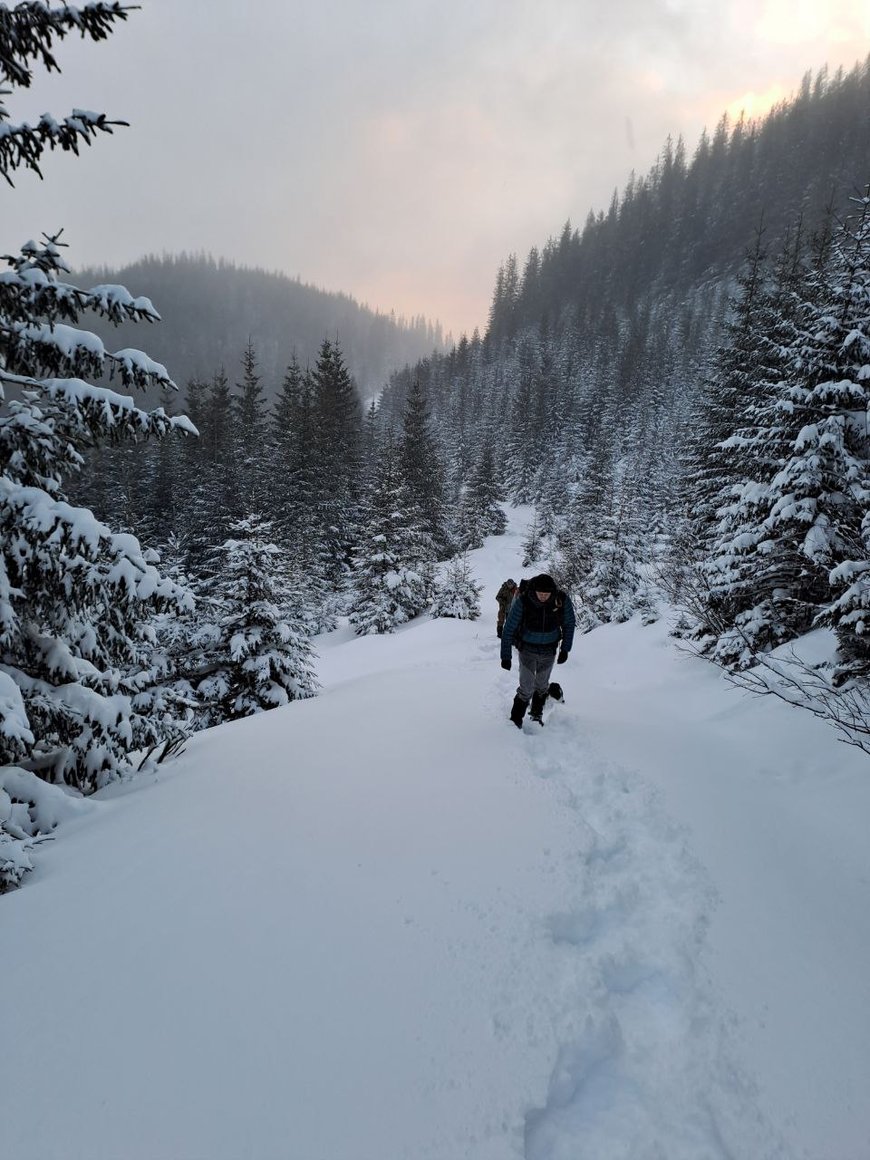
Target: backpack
(506, 593)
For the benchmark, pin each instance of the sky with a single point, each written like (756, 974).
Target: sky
(396, 150)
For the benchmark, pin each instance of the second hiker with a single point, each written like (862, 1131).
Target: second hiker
(540, 624)
(504, 596)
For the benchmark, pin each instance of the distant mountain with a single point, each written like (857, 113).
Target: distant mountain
(212, 308)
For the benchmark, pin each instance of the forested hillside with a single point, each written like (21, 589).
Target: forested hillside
(211, 309)
(689, 221)
(681, 386)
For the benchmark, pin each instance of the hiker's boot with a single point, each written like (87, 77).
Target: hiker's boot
(518, 711)
(536, 712)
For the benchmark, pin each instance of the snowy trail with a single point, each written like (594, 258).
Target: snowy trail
(645, 1067)
(384, 925)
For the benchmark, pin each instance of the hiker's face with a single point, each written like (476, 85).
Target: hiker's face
(543, 596)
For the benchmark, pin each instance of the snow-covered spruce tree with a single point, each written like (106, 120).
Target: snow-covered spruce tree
(337, 432)
(75, 598)
(293, 485)
(394, 568)
(256, 659)
(290, 443)
(533, 544)
(807, 502)
(423, 469)
(250, 433)
(28, 33)
(739, 447)
(523, 436)
(457, 593)
(600, 547)
(846, 328)
(480, 511)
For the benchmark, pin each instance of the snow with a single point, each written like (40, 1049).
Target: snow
(69, 340)
(382, 923)
(136, 361)
(13, 715)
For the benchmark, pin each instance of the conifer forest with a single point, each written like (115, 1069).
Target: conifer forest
(679, 387)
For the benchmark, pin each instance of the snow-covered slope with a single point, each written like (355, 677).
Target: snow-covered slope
(384, 924)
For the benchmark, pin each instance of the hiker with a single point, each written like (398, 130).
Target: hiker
(540, 624)
(504, 596)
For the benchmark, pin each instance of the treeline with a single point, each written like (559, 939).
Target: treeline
(279, 519)
(689, 221)
(211, 308)
(680, 389)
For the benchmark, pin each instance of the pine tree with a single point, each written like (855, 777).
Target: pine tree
(27, 34)
(723, 544)
(480, 510)
(251, 423)
(422, 468)
(394, 566)
(726, 450)
(457, 594)
(797, 520)
(842, 440)
(75, 598)
(215, 501)
(599, 554)
(336, 463)
(533, 544)
(289, 441)
(258, 659)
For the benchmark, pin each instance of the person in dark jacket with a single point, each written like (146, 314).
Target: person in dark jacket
(541, 625)
(504, 596)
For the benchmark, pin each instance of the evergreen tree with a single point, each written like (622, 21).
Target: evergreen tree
(27, 34)
(457, 594)
(728, 448)
(533, 544)
(839, 364)
(394, 566)
(258, 660)
(480, 510)
(796, 521)
(251, 424)
(75, 598)
(337, 432)
(290, 450)
(422, 470)
(598, 559)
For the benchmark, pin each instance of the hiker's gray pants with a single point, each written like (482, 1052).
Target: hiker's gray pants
(535, 669)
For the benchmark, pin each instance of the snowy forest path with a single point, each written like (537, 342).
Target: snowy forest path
(383, 923)
(646, 1066)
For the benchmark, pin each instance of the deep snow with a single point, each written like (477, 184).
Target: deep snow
(383, 924)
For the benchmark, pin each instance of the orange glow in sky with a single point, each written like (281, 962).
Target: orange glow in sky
(755, 105)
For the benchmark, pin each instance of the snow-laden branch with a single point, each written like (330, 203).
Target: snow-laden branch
(793, 680)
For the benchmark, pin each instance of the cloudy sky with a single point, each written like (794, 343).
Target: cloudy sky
(397, 150)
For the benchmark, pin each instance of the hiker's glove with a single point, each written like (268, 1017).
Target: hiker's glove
(562, 657)
(506, 663)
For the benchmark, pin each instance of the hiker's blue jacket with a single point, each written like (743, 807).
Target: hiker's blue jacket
(536, 627)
